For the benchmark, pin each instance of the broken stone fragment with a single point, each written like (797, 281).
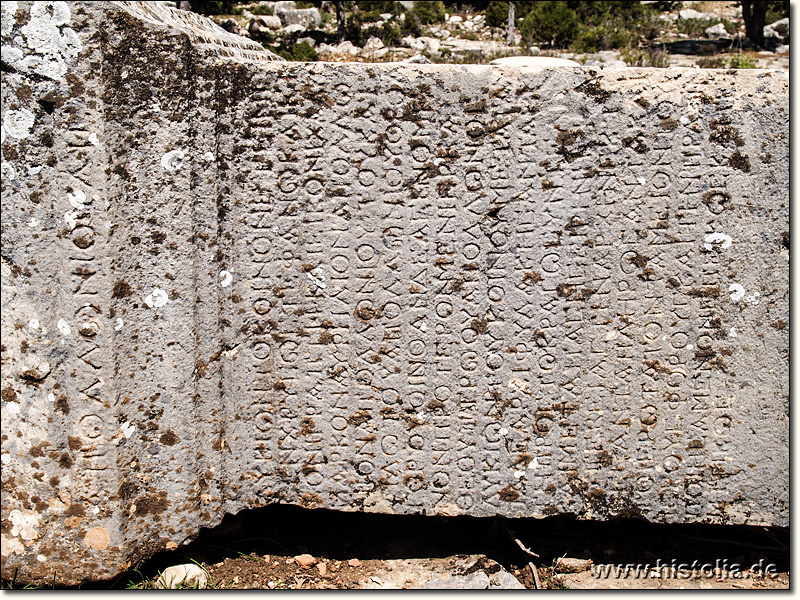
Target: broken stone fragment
(572, 565)
(183, 576)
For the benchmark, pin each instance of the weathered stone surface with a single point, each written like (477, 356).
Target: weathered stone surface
(480, 290)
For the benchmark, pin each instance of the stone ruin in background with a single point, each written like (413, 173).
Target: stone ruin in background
(229, 281)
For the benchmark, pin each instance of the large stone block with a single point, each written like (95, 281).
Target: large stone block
(435, 289)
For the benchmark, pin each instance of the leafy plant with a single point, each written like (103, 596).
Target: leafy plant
(206, 7)
(551, 23)
(693, 27)
(742, 61)
(496, 14)
(381, 6)
(645, 57)
(429, 13)
(711, 62)
(302, 52)
(262, 9)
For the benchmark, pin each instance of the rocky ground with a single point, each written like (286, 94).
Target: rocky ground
(466, 38)
(282, 547)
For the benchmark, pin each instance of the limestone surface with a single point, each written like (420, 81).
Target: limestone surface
(230, 281)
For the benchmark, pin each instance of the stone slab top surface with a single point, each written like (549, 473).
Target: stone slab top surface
(230, 281)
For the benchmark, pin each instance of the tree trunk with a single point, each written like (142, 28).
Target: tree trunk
(754, 13)
(340, 21)
(510, 25)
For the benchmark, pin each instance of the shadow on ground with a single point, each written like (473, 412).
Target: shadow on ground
(280, 530)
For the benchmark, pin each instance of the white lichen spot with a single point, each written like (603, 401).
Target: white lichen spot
(207, 157)
(24, 523)
(33, 223)
(737, 291)
(641, 180)
(118, 324)
(33, 323)
(7, 17)
(51, 397)
(128, 429)
(533, 464)
(77, 199)
(12, 408)
(5, 458)
(96, 510)
(156, 299)
(34, 170)
(317, 282)
(173, 160)
(733, 332)
(684, 120)
(71, 218)
(503, 431)
(63, 327)
(93, 139)
(41, 558)
(722, 239)
(225, 278)
(519, 474)
(752, 298)
(18, 123)
(690, 346)
(49, 43)
(7, 171)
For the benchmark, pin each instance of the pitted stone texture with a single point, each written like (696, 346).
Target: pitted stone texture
(431, 289)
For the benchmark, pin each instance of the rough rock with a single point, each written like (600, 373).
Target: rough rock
(309, 18)
(503, 580)
(778, 30)
(572, 565)
(270, 22)
(453, 572)
(534, 61)
(423, 43)
(184, 576)
(781, 27)
(373, 49)
(474, 581)
(690, 13)
(419, 289)
(305, 560)
(294, 28)
(417, 59)
(231, 26)
(717, 32)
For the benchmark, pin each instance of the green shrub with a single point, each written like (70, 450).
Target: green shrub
(497, 14)
(262, 9)
(302, 52)
(593, 39)
(391, 34)
(380, 6)
(645, 57)
(411, 26)
(550, 23)
(742, 61)
(205, 7)
(429, 12)
(776, 10)
(355, 33)
(711, 62)
(694, 27)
